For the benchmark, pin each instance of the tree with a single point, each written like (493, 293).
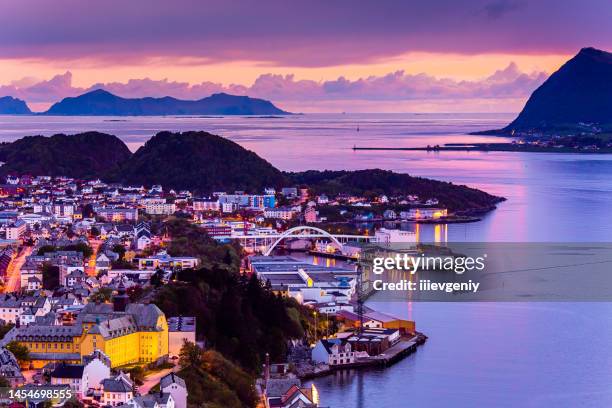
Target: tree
(137, 374)
(21, 352)
(119, 250)
(51, 276)
(102, 295)
(156, 278)
(5, 328)
(191, 355)
(94, 231)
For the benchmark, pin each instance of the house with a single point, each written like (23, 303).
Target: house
(334, 352)
(142, 236)
(389, 215)
(117, 390)
(69, 374)
(180, 329)
(34, 284)
(176, 387)
(288, 393)
(75, 277)
(97, 367)
(103, 263)
(155, 400)
(377, 320)
(9, 368)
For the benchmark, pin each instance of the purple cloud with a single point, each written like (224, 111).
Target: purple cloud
(297, 33)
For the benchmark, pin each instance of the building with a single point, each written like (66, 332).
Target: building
(126, 333)
(180, 329)
(164, 261)
(117, 214)
(310, 214)
(334, 352)
(283, 213)
(206, 205)
(388, 236)
(160, 208)
(9, 368)
(289, 393)
(305, 282)
(117, 390)
(378, 320)
(96, 368)
(69, 374)
(427, 213)
(16, 230)
(176, 387)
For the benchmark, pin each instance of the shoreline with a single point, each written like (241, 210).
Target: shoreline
(490, 147)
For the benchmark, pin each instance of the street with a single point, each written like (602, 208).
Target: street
(13, 272)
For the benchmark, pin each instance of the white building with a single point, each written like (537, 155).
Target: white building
(388, 236)
(283, 213)
(333, 352)
(16, 230)
(160, 208)
(176, 387)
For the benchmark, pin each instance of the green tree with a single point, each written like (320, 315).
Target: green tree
(21, 352)
(190, 355)
(137, 374)
(102, 295)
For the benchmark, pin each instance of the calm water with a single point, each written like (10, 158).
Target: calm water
(495, 354)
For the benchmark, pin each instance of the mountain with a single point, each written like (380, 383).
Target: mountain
(13, 106)
(198, 161)
(84, 155)
(103, 103)
(576, 98)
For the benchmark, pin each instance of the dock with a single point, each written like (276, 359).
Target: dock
(392, 355)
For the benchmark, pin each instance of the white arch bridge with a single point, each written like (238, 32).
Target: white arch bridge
(267, 242)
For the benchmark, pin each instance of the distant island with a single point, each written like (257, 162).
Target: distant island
(13, 106)
(103, 103)
(205, 163)
(576, 100)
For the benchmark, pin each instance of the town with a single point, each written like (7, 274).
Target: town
(81, 261)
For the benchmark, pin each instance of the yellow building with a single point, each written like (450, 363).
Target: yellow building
(127, 334)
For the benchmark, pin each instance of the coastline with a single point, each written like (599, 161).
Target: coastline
(492, 147)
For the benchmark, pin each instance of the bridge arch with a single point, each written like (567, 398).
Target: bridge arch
(290, 232)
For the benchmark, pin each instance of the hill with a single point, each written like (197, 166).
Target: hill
(13, 106)
(205, 163)
(102, 103)
(377, 182)
(83, 155)
(198, 161)
(575, 99)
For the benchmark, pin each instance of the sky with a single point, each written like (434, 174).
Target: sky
(305, 56)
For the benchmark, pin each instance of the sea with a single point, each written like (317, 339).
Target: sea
(489, 354)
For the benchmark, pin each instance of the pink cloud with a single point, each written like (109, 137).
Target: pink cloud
(506, 83)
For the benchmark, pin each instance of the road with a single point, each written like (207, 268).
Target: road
(13, 272)
(90, 267)
(152, 380)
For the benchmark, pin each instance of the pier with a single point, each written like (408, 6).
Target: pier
(403, 348)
